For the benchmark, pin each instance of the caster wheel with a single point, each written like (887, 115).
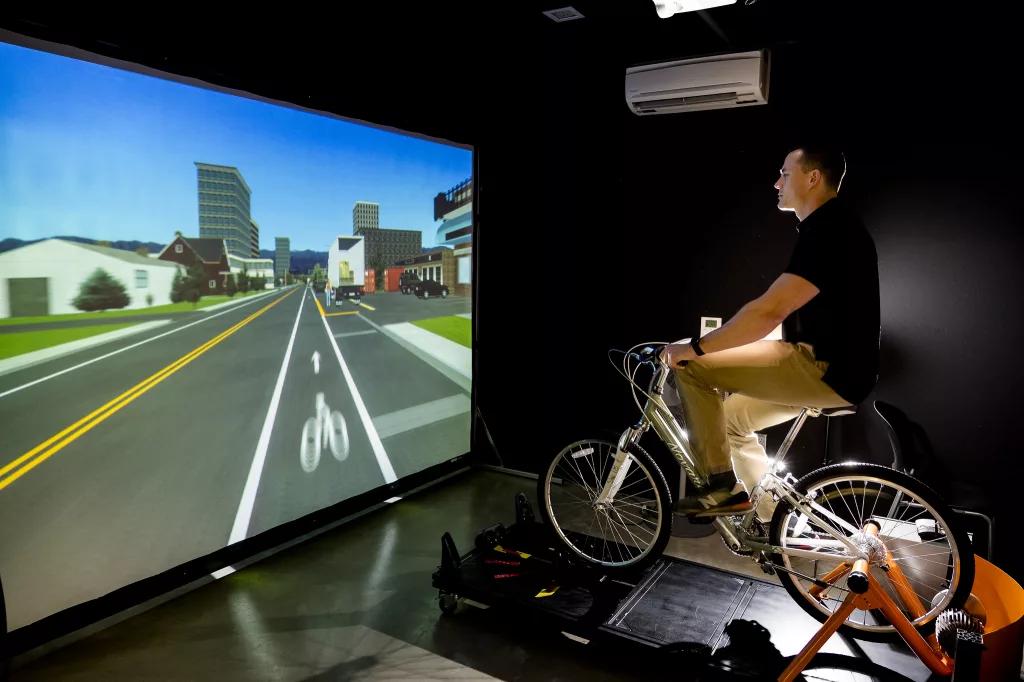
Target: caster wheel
(448, 603)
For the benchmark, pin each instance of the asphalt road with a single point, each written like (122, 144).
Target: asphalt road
(176, 464)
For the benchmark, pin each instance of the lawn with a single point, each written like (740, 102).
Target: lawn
(15, 344)
(182, 307)
(453, 328)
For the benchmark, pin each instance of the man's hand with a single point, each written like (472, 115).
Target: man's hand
(675, 353)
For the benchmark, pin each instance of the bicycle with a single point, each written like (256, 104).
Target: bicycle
(820, 526)
(326, 428)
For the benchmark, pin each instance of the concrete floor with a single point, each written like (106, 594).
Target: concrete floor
(352, 603)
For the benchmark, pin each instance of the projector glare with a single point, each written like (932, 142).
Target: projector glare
(667, 9)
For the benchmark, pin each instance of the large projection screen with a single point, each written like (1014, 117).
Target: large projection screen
(218, 314)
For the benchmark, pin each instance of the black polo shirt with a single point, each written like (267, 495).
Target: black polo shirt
(835, 253)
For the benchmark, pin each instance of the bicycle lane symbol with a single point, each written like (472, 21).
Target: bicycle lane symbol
(325, 429)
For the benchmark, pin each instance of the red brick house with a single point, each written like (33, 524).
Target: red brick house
(210, 251)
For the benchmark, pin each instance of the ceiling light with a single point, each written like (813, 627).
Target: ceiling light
(667, 9)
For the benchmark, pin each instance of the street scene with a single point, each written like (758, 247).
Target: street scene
(145, 459)
(203, 337)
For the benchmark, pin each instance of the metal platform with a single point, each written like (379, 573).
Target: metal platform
(729, 622)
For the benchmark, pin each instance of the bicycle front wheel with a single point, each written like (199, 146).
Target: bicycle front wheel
(629, 532)
(918, 534)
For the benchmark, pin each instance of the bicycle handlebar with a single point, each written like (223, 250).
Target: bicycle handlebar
(652, 355)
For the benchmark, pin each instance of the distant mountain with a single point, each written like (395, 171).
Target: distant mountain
(11, 243)
(302, 261)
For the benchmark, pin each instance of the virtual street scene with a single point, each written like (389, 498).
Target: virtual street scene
(217, 315)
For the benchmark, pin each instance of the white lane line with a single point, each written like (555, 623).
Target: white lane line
(343, 335)
(121, 350)
(378, 448)
(252, 483)
(414, 417)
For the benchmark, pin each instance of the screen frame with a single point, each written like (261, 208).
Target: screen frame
(82, 619)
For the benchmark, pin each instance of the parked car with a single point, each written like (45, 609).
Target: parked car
(428, 287)
(406, 282)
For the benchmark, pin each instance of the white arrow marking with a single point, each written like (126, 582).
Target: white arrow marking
(316, 362)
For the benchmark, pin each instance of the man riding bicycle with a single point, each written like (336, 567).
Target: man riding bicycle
(827, 300)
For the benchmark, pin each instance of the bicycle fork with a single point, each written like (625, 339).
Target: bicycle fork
(620, 467)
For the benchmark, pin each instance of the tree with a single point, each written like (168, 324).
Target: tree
(178, 287)
(258, 283)
(231, 287)
(195, 283)
(378, 264)
(102, 242)
(243, 282)
(319, 275)
(149, 299)
(142, 251)
(100, 291)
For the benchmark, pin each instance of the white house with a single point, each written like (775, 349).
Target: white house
(254, 267)
(43, 278)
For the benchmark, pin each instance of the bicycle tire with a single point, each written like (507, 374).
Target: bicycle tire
(965, 557)
(665, 532)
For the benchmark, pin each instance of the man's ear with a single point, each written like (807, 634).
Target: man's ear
(813, 178)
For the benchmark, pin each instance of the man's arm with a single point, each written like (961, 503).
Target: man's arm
(758, 318)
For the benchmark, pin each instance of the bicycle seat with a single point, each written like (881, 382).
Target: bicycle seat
(838, 411)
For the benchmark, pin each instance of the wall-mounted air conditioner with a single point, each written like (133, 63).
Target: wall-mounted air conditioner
(717, 82)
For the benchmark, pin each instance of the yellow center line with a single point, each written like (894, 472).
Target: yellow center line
(347, 312)
(322, 313)
(96, 416)
(367, 306)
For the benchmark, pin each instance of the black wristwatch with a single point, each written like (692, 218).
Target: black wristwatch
(695, 345)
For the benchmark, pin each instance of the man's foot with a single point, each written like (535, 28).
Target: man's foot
(726, 496)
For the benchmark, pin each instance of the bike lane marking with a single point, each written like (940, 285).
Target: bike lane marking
(40, 453)
(252, 483)
(386, 469)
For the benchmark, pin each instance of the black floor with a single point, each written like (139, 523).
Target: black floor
(352, 603)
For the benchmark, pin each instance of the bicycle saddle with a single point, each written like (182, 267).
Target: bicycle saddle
(837, 411)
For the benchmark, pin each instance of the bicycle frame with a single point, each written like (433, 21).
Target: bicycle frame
(657, 415)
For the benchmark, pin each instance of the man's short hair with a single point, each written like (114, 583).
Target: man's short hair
(827, 159)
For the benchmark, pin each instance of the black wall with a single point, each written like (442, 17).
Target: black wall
(635, 227)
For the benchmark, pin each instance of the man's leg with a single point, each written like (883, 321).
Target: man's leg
(770, 371)
(744, 416)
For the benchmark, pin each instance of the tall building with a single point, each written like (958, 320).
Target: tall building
(254, 239)
(383, 247)
(282, 256)
(365, 216)
(224, 209)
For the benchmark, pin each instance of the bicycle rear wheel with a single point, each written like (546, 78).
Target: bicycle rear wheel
(632, 531)
(918, 533)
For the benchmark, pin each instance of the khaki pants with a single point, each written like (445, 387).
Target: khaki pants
(770, 382)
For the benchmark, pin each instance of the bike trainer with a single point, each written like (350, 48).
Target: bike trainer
(713, 623)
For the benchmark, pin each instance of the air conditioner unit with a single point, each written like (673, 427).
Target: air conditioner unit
(717, 82)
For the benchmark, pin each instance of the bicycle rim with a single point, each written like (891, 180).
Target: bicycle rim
(621, 534)
(929, 564)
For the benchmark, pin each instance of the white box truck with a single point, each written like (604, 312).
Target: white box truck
(346, 268)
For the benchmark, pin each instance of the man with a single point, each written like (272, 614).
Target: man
(828, 303)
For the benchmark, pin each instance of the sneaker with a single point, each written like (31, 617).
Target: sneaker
(727, 497)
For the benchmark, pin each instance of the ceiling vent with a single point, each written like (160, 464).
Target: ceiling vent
(564, 14)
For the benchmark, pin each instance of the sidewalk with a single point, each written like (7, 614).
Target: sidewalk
(455, 355)
(240, 299)
(35, 357)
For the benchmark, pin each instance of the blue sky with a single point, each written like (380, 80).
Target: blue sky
(92, 151)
